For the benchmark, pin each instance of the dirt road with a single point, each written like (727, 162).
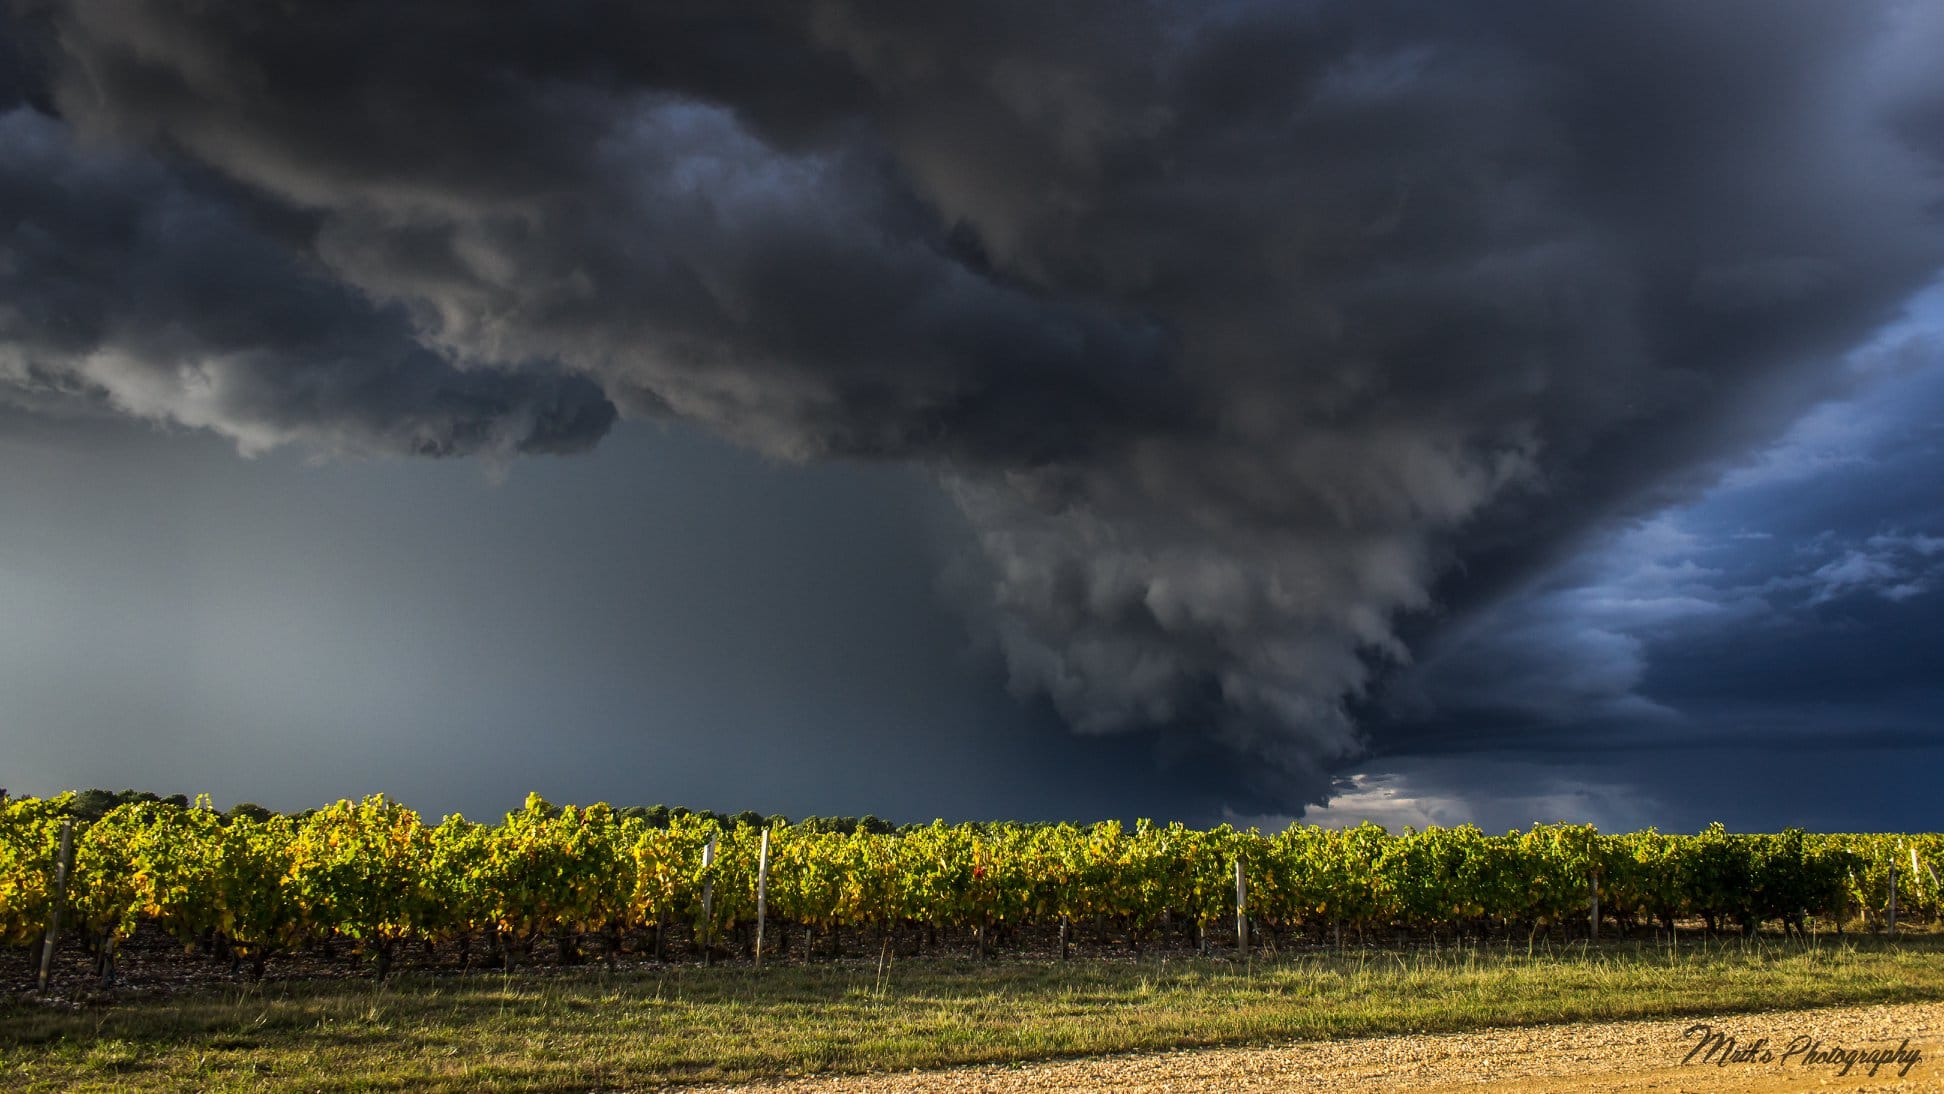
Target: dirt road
(1778, 1051)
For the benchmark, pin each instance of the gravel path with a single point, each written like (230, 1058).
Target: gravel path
(1642, 1055)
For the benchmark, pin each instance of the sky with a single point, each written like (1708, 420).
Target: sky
(1233, 411)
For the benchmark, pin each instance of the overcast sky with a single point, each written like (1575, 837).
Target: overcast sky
(1428, 413)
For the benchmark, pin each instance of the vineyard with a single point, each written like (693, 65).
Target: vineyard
(576, 882)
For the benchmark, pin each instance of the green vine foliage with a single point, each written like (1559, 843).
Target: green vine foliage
(374, 873)
(30, 838)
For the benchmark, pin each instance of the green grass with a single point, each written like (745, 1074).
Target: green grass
(592, 1029)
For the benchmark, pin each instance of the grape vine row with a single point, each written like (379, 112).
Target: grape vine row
(373, 875)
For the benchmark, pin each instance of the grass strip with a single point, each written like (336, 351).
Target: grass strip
(646, 1028)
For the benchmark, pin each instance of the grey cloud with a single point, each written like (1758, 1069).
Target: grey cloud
(1681, 786)
(1572, 649)
(1893, 565)
(1518, 793)
(1243, 334)
(1691, 635)
(126, 289)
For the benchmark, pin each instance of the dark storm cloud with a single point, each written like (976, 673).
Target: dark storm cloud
(1778, 634)
(1807, 578)
(123, 288)
(1233, 329)
(13, 77)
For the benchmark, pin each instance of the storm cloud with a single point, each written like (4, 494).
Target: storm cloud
(1255, 341)
(124, 290)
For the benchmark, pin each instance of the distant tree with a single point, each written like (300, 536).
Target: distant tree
(94, 804)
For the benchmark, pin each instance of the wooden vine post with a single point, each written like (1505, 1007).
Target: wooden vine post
(1241, 910)
(708, 903)
(1914, 867)
(60, 897)
(762, 895)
